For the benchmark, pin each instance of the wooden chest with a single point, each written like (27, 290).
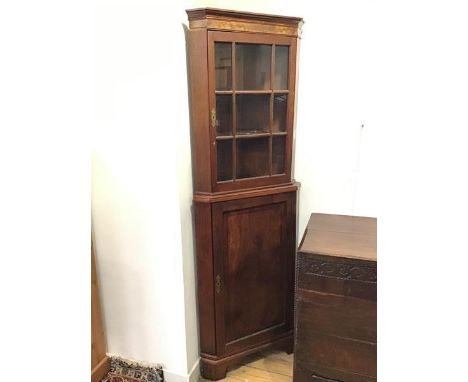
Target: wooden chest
(336, 300)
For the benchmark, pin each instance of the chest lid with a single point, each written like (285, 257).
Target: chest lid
(353, 237)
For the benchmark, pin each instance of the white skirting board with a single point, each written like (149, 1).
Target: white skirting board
(192, 376)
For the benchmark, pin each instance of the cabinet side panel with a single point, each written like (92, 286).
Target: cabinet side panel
(206, 317)
(292, 98)
(199, 109)
(291, 257)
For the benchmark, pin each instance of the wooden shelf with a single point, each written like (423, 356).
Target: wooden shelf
(252, 135)
(253, 92)
(228, 92)
(224, 137)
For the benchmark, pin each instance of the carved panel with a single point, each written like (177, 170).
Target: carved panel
(341, 270)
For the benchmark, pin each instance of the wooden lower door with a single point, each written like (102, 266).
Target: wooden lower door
(254, 246)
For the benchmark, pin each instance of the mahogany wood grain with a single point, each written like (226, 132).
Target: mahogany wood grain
(245, 228)
(291, 105)
(205, 272)
(254, 261)
(334, 352)
(336, 300)
(321, 310)
(256, 265)
(245, 267)
(341, 236)
(227, 20)
(202, 197)
(199, 110)
(259, 181)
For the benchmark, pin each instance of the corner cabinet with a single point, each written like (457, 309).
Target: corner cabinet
(242, 70)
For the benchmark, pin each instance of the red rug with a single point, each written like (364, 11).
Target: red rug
(123, 370)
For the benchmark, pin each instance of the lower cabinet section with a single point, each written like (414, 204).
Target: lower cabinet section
(245, 266)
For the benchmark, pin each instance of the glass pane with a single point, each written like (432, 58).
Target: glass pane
(252, 157)
(224, 156)
(281, 67)
(280, 108)
(224, 115)
(278, 154)
(253, 113)
(253, 66)
(223, 65)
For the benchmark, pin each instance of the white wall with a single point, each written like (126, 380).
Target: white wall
(334, 157)
(142, 184)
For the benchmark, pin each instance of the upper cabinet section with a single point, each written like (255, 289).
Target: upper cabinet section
(242, 79)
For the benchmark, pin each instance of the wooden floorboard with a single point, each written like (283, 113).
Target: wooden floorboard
(271, 366)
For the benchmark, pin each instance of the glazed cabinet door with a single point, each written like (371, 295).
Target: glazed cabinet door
(251, 101)
(254, 249)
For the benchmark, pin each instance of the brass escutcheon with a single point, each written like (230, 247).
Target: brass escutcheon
(218, 284)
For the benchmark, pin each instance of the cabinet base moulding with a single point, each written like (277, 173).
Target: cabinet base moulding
(202, 197)
(216, 369)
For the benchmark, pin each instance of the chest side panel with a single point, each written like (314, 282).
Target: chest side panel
(336, 307)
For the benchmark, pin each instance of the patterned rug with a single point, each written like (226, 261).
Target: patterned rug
(122, 370)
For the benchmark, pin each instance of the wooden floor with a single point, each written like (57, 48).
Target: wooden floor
(271, 366)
